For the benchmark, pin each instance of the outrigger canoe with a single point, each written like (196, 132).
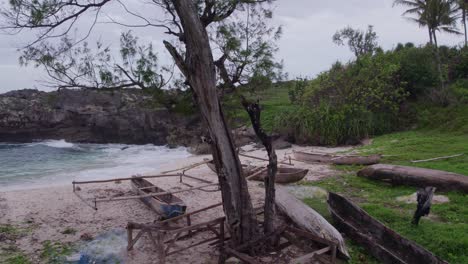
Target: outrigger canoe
(284, 175)
(383, 243)
(336, 159)
(166, 205)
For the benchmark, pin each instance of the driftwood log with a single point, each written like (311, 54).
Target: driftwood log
(424, 198)
(404, 175)
(336, 159)
(308, 219)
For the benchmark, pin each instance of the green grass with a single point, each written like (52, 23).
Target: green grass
(55, 252)
(445, 233)
(273, 100)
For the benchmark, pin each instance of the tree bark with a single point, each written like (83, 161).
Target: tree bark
(464, 25)
(253, 109)
(430, 36)
(199, 69)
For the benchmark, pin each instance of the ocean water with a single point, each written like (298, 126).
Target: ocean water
(57, 162)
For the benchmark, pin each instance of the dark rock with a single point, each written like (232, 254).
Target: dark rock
(93, 116)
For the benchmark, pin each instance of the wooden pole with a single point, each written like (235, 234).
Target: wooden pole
(152, 194)
(253, 157)
(188, 167)
(438, 158)
(125, 179)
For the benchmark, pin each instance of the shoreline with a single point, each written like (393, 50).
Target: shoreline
(48, 212)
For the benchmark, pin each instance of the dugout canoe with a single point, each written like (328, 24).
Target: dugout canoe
(166, 205)
(284, 175)
(336, 159)
(383, 243)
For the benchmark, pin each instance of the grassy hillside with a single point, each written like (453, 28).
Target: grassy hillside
(444, 232)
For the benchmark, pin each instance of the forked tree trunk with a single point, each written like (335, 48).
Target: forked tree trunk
(199, 69)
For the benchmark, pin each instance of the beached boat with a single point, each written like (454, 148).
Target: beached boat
(166, 205)
(383, 243)
(336, 159)
(248, 170)
(284, 175)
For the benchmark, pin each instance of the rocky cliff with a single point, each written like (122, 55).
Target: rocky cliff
(94, 116)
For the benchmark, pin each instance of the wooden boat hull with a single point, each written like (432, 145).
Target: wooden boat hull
(336, 159)
(420, 177)
(383, 243)
(284, 175)
(248, 170)
(167, 205)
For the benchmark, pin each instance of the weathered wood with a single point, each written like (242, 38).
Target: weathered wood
(152, 194)
(438, 158)
(382, 242)
(253, 157)
(404, 175)
(308, 219)
(283, 175)
(185, 168)
(166, 205)
(336, 159)
(308, 257)
(197, 66)
(424, 198)
(244, 257)
(126, 179)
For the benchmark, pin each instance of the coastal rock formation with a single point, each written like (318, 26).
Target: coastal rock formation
(127, 116)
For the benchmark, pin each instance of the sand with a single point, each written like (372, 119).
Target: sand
(48, 213)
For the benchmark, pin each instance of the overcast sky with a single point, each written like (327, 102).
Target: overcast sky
(306, 46)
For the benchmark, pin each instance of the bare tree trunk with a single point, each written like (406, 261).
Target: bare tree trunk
(253, 109)
(464, 25)
(439, 63)
(430, 36)
(199, 69)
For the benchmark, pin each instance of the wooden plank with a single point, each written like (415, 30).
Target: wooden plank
(305, 259)
(244, 257)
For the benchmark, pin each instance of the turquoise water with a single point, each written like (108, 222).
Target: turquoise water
(57, 162)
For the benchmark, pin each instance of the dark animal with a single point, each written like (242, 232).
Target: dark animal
(424, 198)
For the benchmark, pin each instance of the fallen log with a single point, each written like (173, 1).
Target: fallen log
(404, 175)
(308, 219)
(336, 159)
(382, 242)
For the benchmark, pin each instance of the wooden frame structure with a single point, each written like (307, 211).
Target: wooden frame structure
(92, 202)
(289, 236)
(164, 235)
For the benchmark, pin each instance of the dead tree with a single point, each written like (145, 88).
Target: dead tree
(254, 111)
(199, 69)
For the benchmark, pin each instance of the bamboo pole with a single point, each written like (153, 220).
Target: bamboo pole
(438, 158)
(152, 194)
(253, 157)
(125, 179)
(188, 167)
(256, 173)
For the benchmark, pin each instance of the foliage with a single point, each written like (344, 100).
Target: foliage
(358, 41)
(297, 90)
(55, 252)
(347, 103)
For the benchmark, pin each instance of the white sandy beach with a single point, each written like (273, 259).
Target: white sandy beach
(48, 212)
